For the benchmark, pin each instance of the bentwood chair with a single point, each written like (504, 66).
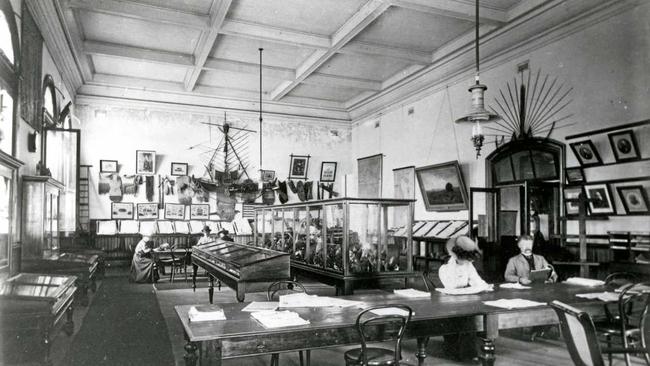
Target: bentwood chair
(273, 293)
(176, 261)
(581, 339)
(373, 328)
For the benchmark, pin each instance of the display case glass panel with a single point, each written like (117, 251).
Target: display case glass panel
(301, 227)
(334, 218)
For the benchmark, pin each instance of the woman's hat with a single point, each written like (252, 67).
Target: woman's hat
(463, 242)
(206, 229)
(223, 231)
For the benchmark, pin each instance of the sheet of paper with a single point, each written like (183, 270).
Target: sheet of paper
(581, 281)
(465, 290)
(515, 285)
(302, 300)
(411, 292)
(391, 311)
(513, 303)
(261, 306)
(277, 319)
(602, 296)
(202, 313)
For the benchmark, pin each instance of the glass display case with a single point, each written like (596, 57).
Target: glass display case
(9, 249)
(41, 216)
(340, 241)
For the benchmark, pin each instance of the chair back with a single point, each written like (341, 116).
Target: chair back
(580, 335)
(618, 279)
(283, 288)
(644, 325)
(632, 303)
(390, 326)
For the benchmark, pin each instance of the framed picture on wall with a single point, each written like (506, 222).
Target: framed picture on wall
(586, 153)
(442, 187)
(267, 175)
(369, 176)
(624, 146)
(108, 166)
(200, 212)
(179, 169)
(145, 162)
(571, 194)
(298, 166)
(574, 175)
(634, 199)
(328, 171)
(174, 211)
(600, 199)
(147, 211)
(121, 210)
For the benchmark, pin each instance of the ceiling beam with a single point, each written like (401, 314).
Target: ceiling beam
(455, 9)
(137, 53)
(218, 12)
(370, 11)
(268, 33)
(405, 54)
(143, 12)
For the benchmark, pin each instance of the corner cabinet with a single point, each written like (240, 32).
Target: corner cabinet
(342, 241)
(40, 226)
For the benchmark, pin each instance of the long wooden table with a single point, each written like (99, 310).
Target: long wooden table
(440, 314)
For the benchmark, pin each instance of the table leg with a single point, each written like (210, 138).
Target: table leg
(195, 268)
(421, 354)
(487, 352)
(241, 292)
(82, 293)
(190, 356)
(491, 332)
(211, 288)
(46, 343)
(68, 328)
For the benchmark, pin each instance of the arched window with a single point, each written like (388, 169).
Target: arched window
(50, 111)
(8, 33)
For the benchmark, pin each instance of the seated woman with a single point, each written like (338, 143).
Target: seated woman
(142, 265)
(459, 271)
(206, 236)
(519, 266)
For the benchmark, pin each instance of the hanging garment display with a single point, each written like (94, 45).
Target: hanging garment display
(300, 187)
(104, 184)
(308, 190)
(268, 194)
(149, 187)
(292, 187)
(184, 190)
(128, 184)
(282, 192)
(115, 188)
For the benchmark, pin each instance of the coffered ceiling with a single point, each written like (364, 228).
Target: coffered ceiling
(321, 58)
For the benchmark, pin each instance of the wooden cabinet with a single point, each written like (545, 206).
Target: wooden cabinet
(41, 215)
(9, 245)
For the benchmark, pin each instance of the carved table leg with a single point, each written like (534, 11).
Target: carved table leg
(68, 328)
(487, 352)
(211, 288)
(490, 333)
(241, 292)
(421, 354)
(219, 284)
(195, 268)
(93, 285)
(190, 356)
(82, 293)
(47, 343)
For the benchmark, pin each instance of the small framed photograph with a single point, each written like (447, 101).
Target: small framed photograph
(586, 153)
(574, 175)
(145, 162)
(122, 211)
(174, 211)
(570, 195)
(634, 198)
(267, 175)
(179, 169)
(108, 166)
(200, 212)
(624, 146)
(600, 199)
(328, 171)
(298, 166)
(147, 211)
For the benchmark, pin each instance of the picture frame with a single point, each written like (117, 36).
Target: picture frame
(147, 211)
(267, 176)
(369, 176)
(574, 175)
(634, 199)
(328, 171)
(145, 162)
(200, 212)
(121, 210)
(624, 146)
(442, 187)
(298, 166)
(600, 199)
(108, 166)
(174, 211)
(179, 169)
(572, 193)
(586, 153)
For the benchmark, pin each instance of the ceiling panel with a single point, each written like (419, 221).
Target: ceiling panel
(246, 50)
(188, 6)
(336, 94)
(138, 33)
(309, 16)
(406, 28)
(363, 67)
(500, 4)
(138, 69)
(228, 79)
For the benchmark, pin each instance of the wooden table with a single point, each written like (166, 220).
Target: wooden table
(440, 314)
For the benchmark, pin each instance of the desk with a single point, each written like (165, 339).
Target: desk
(440, 314)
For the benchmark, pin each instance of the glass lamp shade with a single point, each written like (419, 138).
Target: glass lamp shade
(477, 111)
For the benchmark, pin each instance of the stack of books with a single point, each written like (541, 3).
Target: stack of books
(201, 313)
(277, 319)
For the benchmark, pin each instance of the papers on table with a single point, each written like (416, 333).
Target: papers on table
(602, 296)
(277, 319)
(302, 300)
(465, 290)
(513, 303)
(261, 306)
(201, 313)
(390, 311)
(580, 281)
(411, 292)
(515, 285)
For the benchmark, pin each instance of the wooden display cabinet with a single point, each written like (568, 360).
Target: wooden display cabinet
(41, 214)
(341, 241)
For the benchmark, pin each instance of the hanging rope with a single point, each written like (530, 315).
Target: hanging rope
(453, 125)
(261, 49)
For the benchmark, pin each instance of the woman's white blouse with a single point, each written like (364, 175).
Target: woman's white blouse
(454, 275)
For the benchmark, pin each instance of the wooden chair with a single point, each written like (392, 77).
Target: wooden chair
(282, 288)
(176, 263)
(580, 335)
(373, 327)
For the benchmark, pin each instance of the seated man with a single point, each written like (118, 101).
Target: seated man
(519, 266)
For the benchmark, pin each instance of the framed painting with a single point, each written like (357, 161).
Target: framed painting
(624, 146)
(298, 166)
(442, 187)
(574, 175)
(200, 212)
(147, 211)
(600, 199)
(404, 182)
(572, 193)
(121, 210)
(369, 171)
(174, 211)
(586, 153)
(328, 171)
(179, 169)
(267, 175)
(108, 166)
(634, 199)
(145, 162)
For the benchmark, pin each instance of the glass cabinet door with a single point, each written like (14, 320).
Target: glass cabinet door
(315, 237)
(301, 230)
(334, 236)
(393, 252)
(363, 237)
